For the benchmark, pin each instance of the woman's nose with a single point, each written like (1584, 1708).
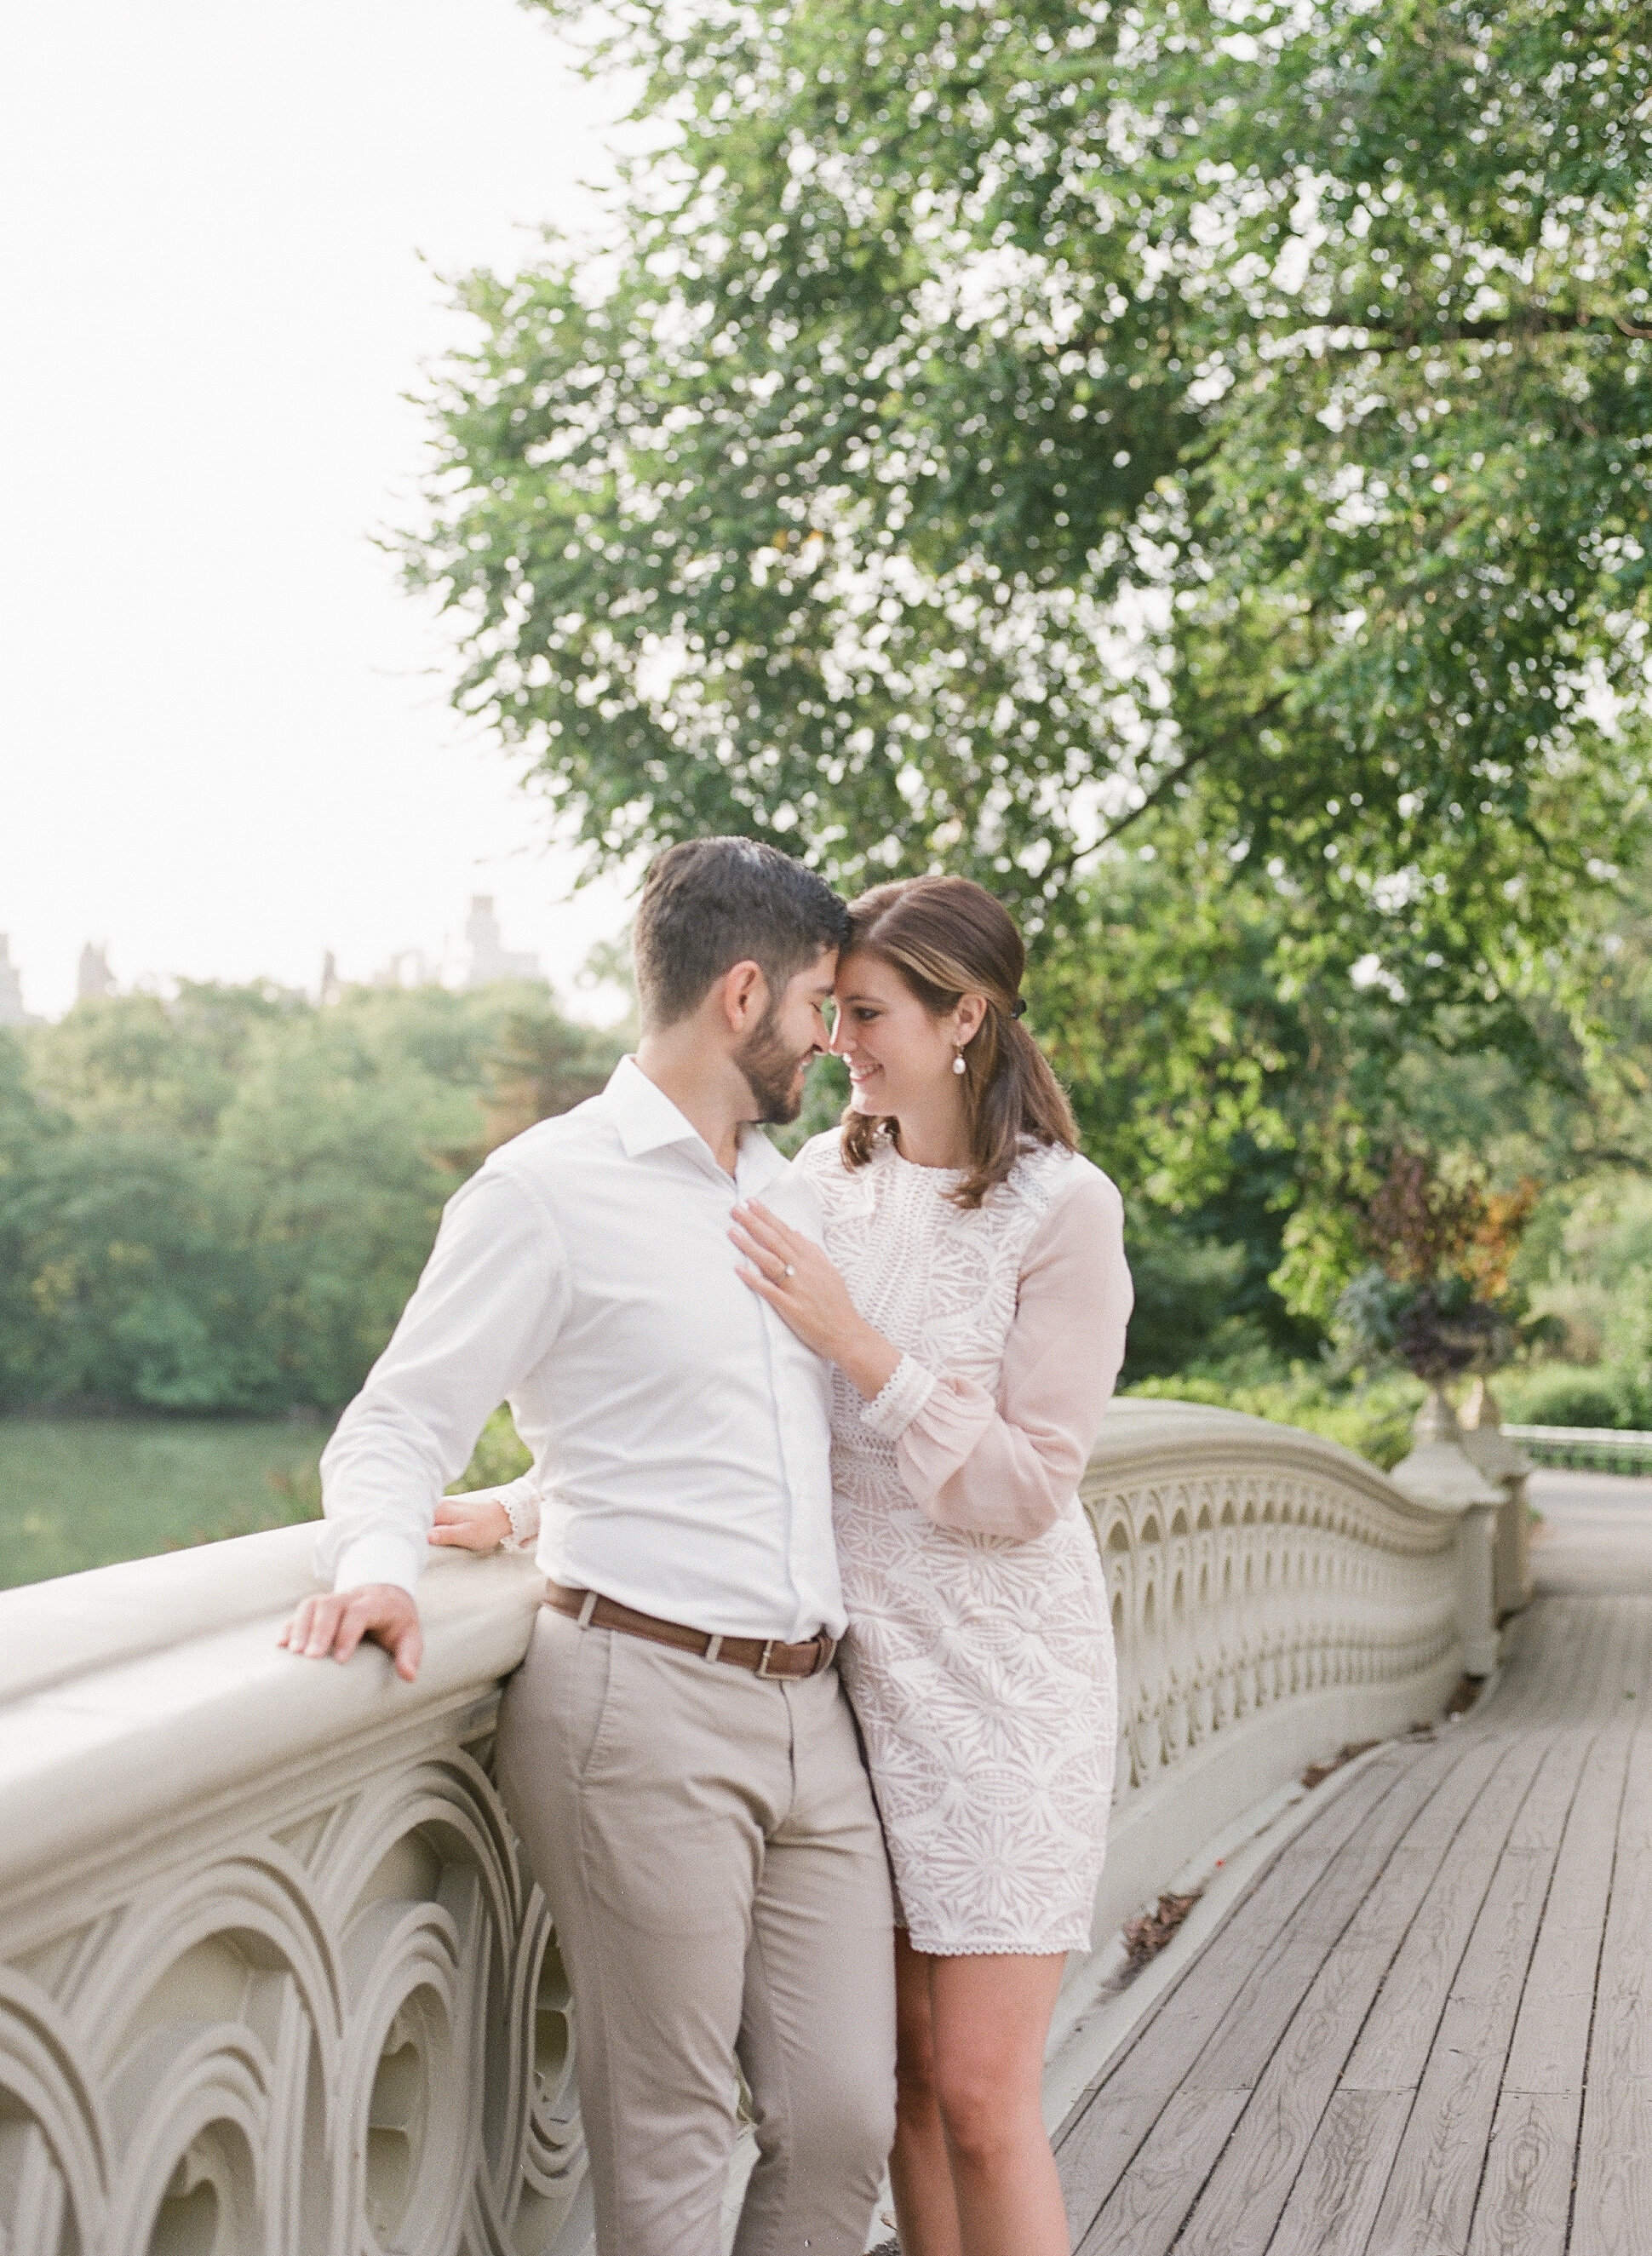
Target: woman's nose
(839, 1040)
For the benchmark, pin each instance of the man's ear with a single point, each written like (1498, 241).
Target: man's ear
(745, 996)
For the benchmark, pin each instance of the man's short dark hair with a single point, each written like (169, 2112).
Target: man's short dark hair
(711, 903)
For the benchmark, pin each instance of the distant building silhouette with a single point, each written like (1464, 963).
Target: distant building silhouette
(95, 978)
(489, 959)
(484, 959)
(11, 1011)
(409, 967)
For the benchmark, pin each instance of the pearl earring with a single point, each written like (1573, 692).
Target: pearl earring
(957, 1063)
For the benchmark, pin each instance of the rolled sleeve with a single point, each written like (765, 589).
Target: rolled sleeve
(485, 1311)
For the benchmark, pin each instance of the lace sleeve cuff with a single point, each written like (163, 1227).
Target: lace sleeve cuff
(521, 1501)
(904, 1393)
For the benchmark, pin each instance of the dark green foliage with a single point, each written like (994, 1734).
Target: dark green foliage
(139, 1290)
(222, 1202)
(543, 1064)
(1186, 1292)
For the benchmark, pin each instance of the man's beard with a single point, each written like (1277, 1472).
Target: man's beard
(771, 1072)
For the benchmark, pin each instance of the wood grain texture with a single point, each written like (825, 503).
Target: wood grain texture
(1394, 2047)
(1550, 2052)
(1429, 2203)
(1612, 2211)
(1525, 2196)
(1263, 2006)
(1334, 2201)
(1098, 2144)
(1427, 2028)
(1145, 2212)
(1239, 2206)
(1109, 2124)
(1247, 2194)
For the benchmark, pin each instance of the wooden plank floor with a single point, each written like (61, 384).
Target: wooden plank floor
(1424, 2031)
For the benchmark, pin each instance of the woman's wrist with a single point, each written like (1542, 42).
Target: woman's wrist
(868, 1361)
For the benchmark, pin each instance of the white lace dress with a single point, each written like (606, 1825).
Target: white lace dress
(980, 1651)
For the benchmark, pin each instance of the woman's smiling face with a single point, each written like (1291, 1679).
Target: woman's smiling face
(897, 1053)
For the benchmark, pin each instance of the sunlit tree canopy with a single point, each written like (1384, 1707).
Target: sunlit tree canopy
(998, 428)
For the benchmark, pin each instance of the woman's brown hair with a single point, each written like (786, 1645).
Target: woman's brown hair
(946, 937)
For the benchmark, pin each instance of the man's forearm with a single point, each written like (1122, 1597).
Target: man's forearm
(485, 1310)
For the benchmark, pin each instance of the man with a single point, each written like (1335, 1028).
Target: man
(676, 1750)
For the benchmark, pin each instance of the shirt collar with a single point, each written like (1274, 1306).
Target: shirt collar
(647, 1121)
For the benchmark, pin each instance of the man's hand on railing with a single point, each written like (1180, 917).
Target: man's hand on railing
(337, 1624)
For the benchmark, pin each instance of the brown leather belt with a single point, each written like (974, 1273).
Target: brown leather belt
(765, 1656)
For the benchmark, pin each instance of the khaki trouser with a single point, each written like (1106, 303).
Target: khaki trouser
(708, 1845)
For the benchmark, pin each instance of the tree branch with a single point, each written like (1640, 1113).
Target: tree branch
(1609, 1155)
(1532, 321)
(1169, 781)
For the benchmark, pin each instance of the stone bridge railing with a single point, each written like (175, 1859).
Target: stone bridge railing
(273, 1976)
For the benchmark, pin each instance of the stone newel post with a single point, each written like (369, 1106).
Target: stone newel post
(1509, 1468)
(1440, 1471)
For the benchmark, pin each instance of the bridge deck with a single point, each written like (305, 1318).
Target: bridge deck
(1424, 2031)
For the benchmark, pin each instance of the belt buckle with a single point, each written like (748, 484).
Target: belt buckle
(768, 1645)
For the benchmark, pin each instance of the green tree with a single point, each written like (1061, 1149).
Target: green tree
(136, 1063)
(1001, 430)
(26, 1124)
(221, 1202)
(138, 1285)
(337, 1149)
(543, 1064)
(1246, 1081)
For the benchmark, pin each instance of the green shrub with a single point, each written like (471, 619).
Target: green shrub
(1373, 1419)
(1562, 1394)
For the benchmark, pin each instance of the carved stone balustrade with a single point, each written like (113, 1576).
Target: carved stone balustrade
(1509, 1468)
(274, 1980)
(1274, 1598)
(273, 1977)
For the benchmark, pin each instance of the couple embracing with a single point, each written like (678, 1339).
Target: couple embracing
(806, 1441)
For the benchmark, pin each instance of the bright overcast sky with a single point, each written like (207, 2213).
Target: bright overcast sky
(224, 739)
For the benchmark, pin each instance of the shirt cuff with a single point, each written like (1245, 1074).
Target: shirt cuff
(379, 1559)
(904, 1393)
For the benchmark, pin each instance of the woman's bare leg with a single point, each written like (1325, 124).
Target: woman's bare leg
(988, 2021)
(920, 2168)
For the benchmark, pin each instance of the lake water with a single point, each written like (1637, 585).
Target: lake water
(80, 1492)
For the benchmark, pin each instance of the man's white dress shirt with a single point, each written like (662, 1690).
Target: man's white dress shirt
(680, 1432)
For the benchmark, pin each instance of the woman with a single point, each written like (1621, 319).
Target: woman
(973, 1296)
